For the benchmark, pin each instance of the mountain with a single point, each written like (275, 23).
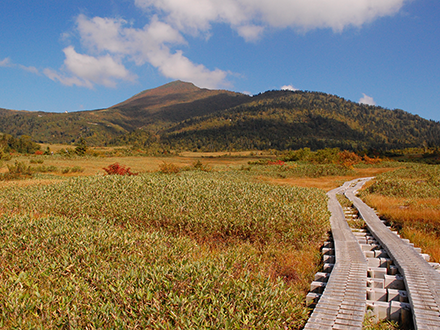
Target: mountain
(290, 120)
(180, 115)
(151, 110)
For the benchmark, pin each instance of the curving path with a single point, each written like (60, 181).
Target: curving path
(343, 302)
(422, 281)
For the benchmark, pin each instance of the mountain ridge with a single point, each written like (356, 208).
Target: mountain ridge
(183, 116)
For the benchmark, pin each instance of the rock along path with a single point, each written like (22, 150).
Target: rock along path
(343, 302)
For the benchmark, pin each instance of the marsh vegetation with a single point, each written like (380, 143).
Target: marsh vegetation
(191, 241)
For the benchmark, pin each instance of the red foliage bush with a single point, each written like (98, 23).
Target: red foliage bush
(38, 152)
(348, 158)
(116, 169)
(276, 162)
(368, 160)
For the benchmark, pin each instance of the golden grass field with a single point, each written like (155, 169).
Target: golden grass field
(416, 219)
(278, 262)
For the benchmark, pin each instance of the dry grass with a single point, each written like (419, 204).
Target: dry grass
(95, 165)
(325, 183)
(154, 251)
(417, 219)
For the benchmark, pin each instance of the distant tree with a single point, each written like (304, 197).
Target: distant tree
(81, 148)
(23, 144)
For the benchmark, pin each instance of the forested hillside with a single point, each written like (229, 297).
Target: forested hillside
(291, 120)
(182, 116)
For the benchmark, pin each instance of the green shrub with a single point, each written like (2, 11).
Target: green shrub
(74, 169)
(44, 169)
(17, 171)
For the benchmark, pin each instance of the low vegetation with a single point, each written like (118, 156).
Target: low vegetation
(194, 250)
(190, 241)
(409, 198)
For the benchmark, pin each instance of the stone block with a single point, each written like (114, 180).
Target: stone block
(375, 283)
(369, 254)
(397, 295)
(394, 282)
(385, 262)
(312, 298)
(377, 294)
(328, 259)
(371, 261)
(369, 247)
(328, 251)
(435, 265)
(379, 309)
(328, 267)
(380, 254)
(328, 244)
(376, 272)
(317, 287)
(427, 257)
(392, 270)
(322, 277)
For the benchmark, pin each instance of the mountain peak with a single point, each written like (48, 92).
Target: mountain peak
(178, 86)
(167, 90)
(174, 87)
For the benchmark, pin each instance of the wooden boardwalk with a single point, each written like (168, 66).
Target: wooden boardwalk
(422, 281)
(343, 302)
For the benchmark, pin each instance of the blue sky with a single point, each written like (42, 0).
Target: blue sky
(81, 55)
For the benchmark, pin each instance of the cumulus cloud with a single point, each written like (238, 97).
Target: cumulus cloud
(289, 88)
(85, 70)
(151, 44)
(367, 100)
(198, 15)
(111, 42)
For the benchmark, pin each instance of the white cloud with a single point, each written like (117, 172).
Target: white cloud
(250, 32)
(148, 45)
(66, 80)
(367, 100)
(110, 42)
(289, 88)
(30, 69)
(5, 62)
(85, 70)
(8, 63)
(198, 15)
